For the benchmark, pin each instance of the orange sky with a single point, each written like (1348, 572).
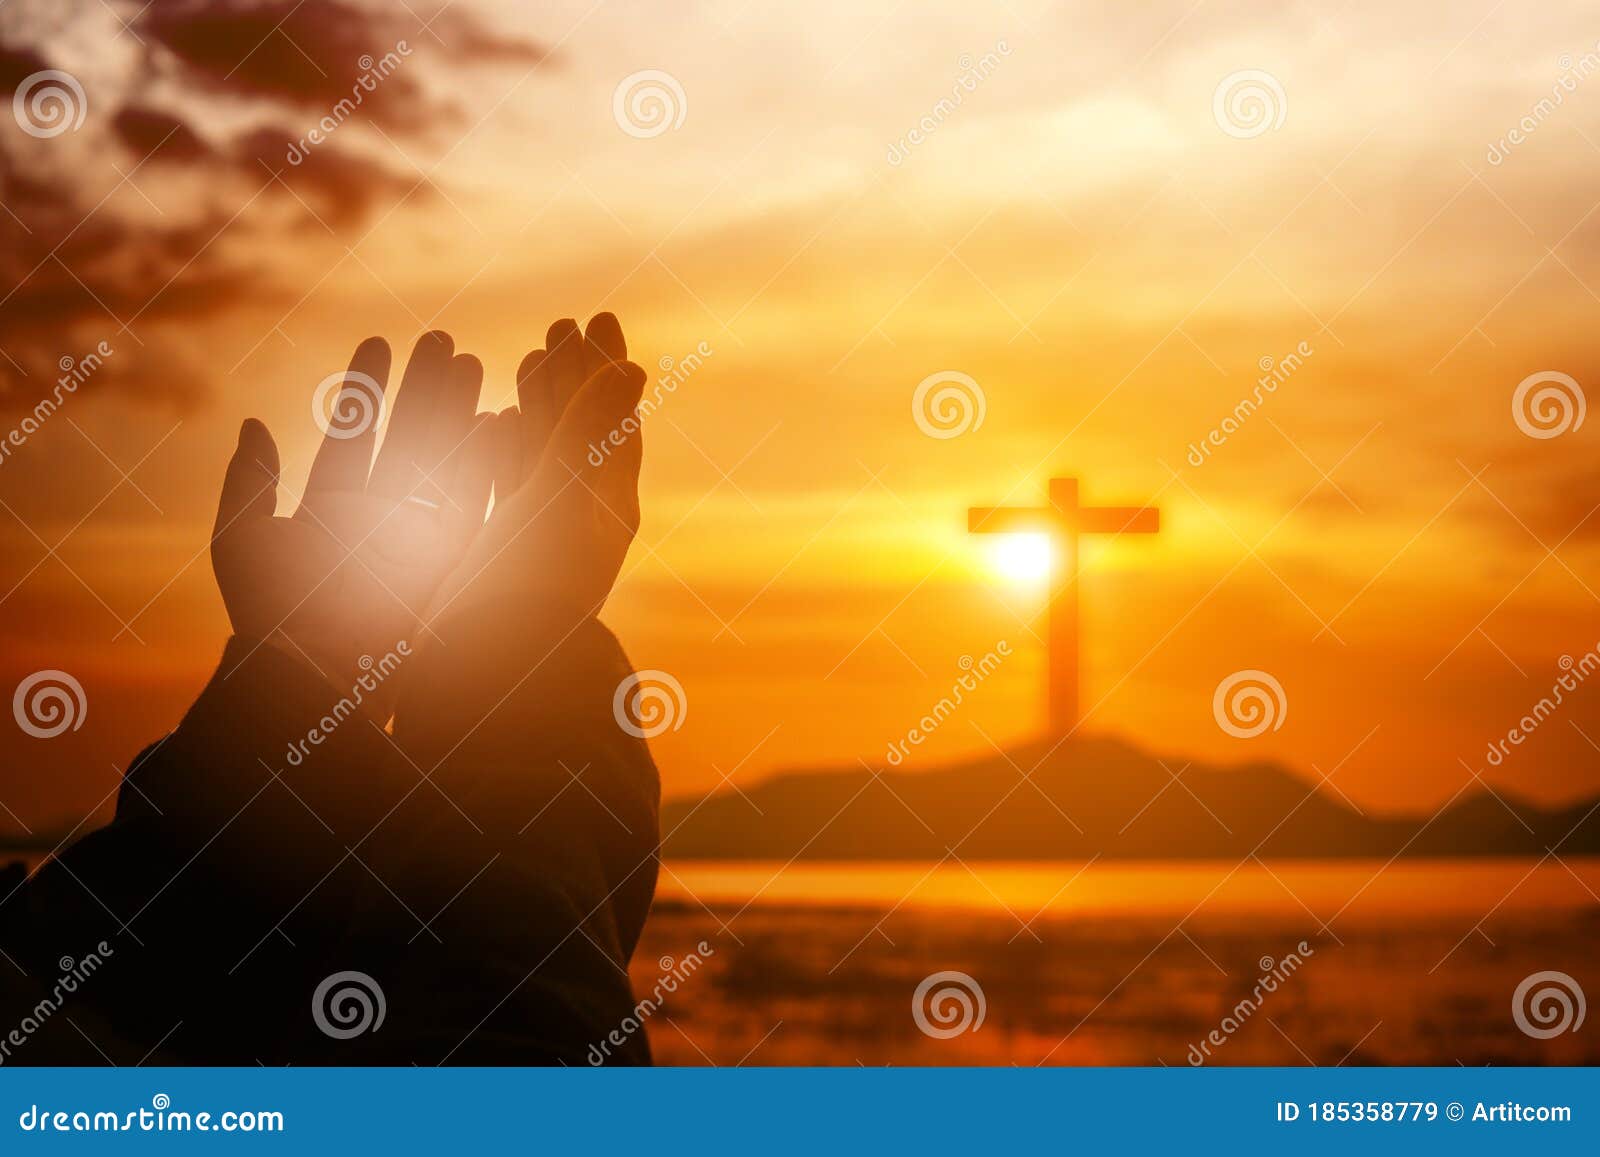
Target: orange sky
(1080, 236)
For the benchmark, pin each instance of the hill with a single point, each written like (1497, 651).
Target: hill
(1093, 796)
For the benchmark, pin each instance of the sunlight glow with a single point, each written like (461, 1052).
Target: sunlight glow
(1023, 557)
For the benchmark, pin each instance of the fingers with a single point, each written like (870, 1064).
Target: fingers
(606, 348)
(507, 446)
(453, 418)
(250, 487)
(563, 362)
(589, 475)
(620, 480)
(603, 343)
(409, 440)
(471, 470)
(560, 372)
(565, 532)
(538, 406)
(549, 378)
(345, 456)
(605, 406)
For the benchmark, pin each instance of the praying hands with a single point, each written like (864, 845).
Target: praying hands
(315, 803)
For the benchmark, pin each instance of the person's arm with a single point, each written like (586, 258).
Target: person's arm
(223, 855)
(535, 848)
(540, 829)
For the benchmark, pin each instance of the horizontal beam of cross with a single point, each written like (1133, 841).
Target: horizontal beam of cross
(1048, 520)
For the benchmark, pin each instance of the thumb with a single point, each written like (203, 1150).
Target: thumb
(250, 488)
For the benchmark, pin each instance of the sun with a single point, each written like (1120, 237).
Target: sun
(1023, 557)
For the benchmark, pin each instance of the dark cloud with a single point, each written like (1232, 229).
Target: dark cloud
(311, 54)
(73, 279)
(304, 55)
(17, 64)
(78, 267)
(158, 135)
(337, 187)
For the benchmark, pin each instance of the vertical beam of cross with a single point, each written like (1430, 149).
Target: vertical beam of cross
(1063, 521)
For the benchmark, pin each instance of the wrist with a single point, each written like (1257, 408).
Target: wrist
(362, 680)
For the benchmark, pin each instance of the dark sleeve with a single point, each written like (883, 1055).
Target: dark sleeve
(541, 851)
(45, 1022)
(226, 852)
(270, 747)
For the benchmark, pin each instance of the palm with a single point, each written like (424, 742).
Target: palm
(561, 526)
(302, 575)
(343, 580)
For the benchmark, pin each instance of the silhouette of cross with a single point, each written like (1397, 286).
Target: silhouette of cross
(1063, 520)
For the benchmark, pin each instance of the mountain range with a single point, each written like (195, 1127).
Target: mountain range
(1098, 795)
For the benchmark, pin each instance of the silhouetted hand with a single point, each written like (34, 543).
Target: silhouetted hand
(344, 580)
(566, 485)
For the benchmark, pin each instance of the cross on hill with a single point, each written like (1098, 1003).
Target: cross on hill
(1063, 520)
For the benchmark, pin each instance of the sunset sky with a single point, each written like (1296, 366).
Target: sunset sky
(1080, 235)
